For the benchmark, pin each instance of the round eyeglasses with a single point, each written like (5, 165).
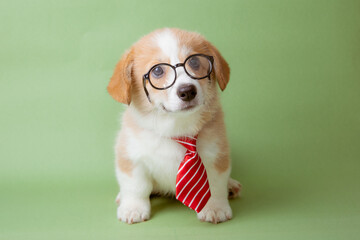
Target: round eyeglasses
(163, 75)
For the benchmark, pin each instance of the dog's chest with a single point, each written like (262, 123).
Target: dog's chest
(160, 156)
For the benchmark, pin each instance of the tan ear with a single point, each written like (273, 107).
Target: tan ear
(221, 67)
(120, 82)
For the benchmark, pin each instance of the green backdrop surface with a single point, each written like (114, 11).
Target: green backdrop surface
(291, 109)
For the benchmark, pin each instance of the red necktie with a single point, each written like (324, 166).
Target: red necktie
(192, 186)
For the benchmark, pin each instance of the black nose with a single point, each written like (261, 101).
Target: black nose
(187, 92)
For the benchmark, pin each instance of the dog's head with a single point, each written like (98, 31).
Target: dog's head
(169, 70)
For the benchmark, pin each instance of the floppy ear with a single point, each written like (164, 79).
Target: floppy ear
(120, 82)
(221, 67)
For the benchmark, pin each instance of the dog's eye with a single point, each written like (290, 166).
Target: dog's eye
(194, 63)
(157, 72)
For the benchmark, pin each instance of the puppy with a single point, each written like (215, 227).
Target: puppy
(169, 81)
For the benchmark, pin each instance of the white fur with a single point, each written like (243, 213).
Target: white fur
(168, 44)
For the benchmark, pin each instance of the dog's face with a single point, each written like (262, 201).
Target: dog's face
(170, 71)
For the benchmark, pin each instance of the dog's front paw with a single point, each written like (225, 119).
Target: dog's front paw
(137, 211)
(215, 213)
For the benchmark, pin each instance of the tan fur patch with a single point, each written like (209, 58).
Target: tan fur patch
(122, 162)
(222, 162)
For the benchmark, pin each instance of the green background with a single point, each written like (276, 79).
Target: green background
(291, 109)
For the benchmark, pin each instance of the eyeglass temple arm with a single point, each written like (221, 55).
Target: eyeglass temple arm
(212, 66)
(144, 84)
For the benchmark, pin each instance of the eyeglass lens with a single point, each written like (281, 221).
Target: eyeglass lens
(198, 66)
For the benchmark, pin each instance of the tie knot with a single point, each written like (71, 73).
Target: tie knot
(188, 142)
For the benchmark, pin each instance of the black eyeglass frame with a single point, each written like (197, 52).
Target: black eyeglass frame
(147, 75)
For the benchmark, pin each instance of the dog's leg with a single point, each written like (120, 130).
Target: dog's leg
(217, 208)
(133, 199)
